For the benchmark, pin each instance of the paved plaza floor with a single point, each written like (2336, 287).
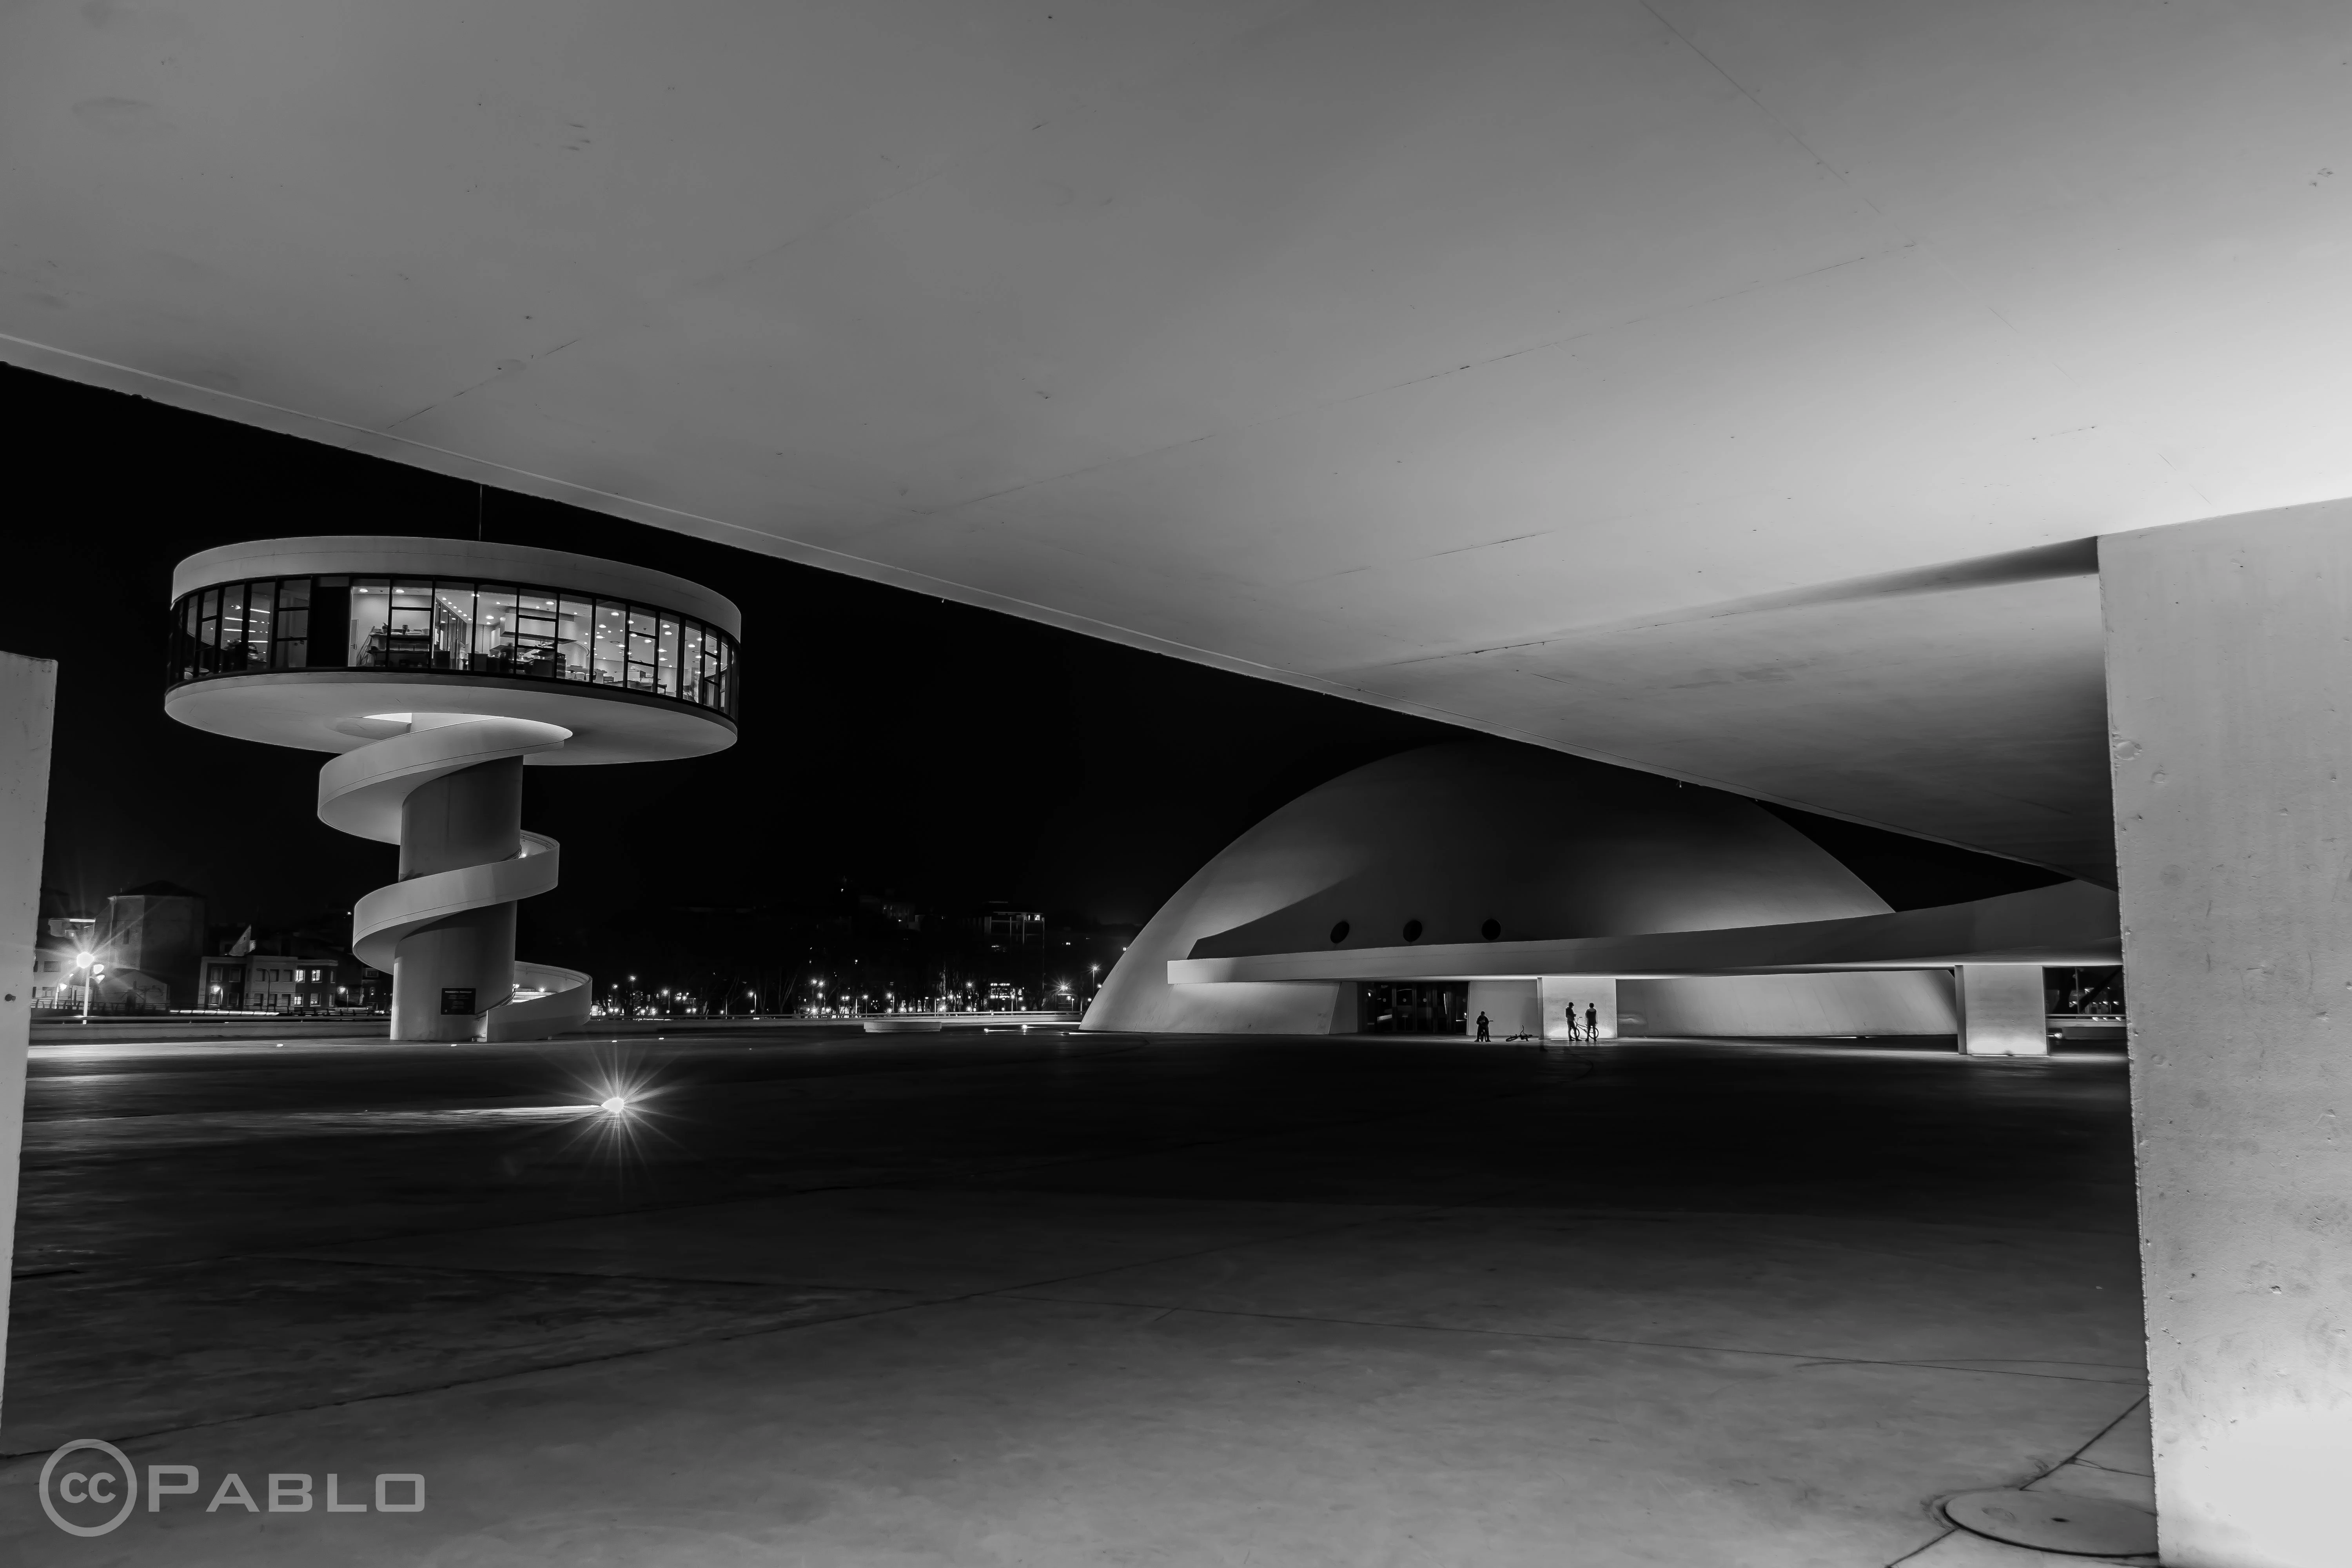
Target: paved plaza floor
(1044, 1298)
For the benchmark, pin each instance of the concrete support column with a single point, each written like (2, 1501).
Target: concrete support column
(2230, 700)
(27, 699)
(1598, 992)
(2003, 1011)
(446, 975)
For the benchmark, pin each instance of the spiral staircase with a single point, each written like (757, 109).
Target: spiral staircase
(361, 791)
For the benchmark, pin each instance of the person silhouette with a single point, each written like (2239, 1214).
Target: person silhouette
(1482, 1029)
(1571, 1024)
(1591, 1024)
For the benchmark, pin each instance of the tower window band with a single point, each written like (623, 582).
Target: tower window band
(440, 625)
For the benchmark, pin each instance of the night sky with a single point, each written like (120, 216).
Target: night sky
(946, 755)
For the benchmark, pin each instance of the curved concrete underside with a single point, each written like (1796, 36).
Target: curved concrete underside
(336, 710)
(1676, 382)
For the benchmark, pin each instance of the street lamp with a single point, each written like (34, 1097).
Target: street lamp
(90, 970)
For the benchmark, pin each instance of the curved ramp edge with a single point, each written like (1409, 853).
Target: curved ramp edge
(560, 1004)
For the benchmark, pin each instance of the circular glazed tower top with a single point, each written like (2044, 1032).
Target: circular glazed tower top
(330, 642)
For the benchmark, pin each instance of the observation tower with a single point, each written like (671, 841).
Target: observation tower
(434, 671)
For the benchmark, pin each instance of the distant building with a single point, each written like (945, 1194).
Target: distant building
(140, 928)
(853, 950)
(58, 979)
(307, 969)
(151, 939)
(55, 943)
(273, 983)
(1012, 928)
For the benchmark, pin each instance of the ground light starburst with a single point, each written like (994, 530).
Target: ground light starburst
(618, 1094)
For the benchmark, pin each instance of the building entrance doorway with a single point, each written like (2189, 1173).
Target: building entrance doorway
(1416, 1007)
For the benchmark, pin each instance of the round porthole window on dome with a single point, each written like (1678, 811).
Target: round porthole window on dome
(1491, 929)
(1339, 932)
(1412, 930)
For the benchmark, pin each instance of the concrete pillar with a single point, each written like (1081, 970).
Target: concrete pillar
(2003, 1011)
(446, 975)
(2228, 679)
(27, 700)
(1596, 992)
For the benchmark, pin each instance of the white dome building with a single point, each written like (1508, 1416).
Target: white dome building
(1437, 851)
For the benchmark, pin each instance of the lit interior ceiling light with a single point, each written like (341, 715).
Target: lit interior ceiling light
(616, 1105)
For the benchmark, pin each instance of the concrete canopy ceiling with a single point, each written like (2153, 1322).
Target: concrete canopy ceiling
(1672, 382)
